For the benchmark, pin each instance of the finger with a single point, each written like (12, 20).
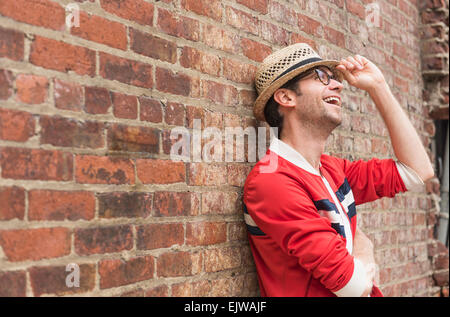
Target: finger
(363, 59)
(354, 62)
(347, 64)
(346, 72)
(360, 61)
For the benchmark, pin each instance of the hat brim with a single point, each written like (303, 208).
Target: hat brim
(266, 94)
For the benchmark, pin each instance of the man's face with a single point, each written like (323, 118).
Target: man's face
(315, 107)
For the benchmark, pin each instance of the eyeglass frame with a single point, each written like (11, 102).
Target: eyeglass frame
(318, 72)
(305, 75)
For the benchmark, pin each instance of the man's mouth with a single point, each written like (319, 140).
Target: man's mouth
(333, 100)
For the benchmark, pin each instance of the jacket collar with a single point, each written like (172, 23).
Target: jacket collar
(290, 154)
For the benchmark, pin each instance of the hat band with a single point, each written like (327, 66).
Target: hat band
(293, 67)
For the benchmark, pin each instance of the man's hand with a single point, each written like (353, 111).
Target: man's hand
(361, 73)
(363, 251)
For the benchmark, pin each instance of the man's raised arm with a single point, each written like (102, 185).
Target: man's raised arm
(408, 148)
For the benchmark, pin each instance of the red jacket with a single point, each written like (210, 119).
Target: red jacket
(301, 222)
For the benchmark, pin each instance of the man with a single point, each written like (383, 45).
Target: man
(301, 215)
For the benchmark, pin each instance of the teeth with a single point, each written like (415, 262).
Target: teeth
(331, 99)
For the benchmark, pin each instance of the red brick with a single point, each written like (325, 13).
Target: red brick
(242, 20)
(221, 39)
(334, 36)
(13, 203)
(198, 60)
(433, 16)
(13, 284)
(159, 235)
(151, 110)
(171, 204)
(441, 262)
(35, 244)
(36, 12)
(36, 164)
(205, 233)
(100, 30)
(128, 205)
(52, 280)
(151, 171)
(355, 8)
(135, 10)
(60, 205)
(178, 84)
(238, 72)
(68, 96)
(137, 293)
(16, 125)
(237, 231)
(179, 26)
(237, 174)
(281, 13)
(257, 5)
(11, 43)
(60, 131)
(119, 272)
(401, 51)
(168, 142)
(174, 114)
(209, 8)
(125, 106)
(159, 291)
(174, 264)
(6, 84)
(274, 33)
(103, 240)
(401, 84)
(254, 50)
(441, 278)
(309, 25)
(62, 57)
(220, 259)
(103, 170)
(133, 139)
(220, 203)
(207, 174)
(225, 95)
(152, 46)
(97, 100)
(193, 113)
(31, 89)
(126, 71)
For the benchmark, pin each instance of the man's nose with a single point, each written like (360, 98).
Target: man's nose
(335, 85)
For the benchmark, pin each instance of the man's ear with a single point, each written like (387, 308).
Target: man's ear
(285, 97)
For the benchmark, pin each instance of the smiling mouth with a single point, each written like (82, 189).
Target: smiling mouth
(332, 100)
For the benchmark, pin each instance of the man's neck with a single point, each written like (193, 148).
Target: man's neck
(310, 145)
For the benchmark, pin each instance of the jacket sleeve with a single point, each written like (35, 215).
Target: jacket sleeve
(373, 179)
(284, 211)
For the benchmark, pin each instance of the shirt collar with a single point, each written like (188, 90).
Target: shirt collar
(290, 154)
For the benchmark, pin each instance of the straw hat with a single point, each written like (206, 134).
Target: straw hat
(280, 67)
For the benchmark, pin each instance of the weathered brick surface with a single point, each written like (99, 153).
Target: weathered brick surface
(86, 115)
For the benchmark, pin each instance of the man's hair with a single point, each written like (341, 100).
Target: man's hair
(271, 112)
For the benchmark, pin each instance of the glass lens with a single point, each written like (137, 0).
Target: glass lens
(323, 76)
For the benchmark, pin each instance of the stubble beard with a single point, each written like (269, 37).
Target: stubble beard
(320, 119)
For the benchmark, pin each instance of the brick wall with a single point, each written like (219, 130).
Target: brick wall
(435, 63)
(86, 115)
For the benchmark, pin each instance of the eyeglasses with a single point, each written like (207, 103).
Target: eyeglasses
(325, 78)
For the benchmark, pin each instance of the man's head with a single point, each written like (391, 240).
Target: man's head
(295, 81)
